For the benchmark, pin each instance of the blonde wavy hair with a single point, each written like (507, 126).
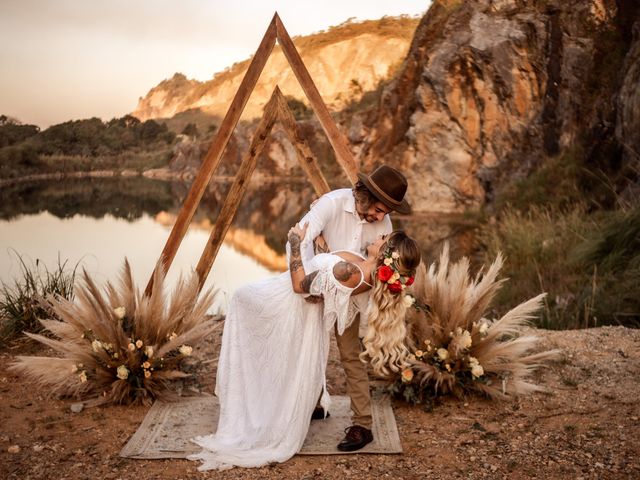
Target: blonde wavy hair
(384, 341)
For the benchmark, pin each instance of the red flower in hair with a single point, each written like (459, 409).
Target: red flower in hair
(385, 273)
(409, 281)
(395, 287)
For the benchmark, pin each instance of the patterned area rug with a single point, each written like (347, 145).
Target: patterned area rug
(167, 428)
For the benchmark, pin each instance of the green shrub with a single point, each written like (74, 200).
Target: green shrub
(589, 264)
(20, 305)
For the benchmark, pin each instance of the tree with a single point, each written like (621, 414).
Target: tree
(13, 132)
(298, 108)
(190, 129)
(150, 130)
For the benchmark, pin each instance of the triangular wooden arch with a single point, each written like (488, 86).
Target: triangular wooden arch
(276, 109)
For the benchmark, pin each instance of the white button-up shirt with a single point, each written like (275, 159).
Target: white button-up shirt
(335, 216)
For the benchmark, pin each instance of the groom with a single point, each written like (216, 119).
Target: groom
(351, 219)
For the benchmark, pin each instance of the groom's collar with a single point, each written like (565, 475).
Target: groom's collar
(350, 204)
(350, 207)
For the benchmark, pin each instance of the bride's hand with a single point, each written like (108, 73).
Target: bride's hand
(296, 231)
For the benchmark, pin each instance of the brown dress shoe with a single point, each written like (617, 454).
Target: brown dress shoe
(356, 437)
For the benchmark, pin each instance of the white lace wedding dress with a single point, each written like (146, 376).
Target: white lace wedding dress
(272, 366)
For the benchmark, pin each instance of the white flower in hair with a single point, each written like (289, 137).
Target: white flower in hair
(388, 261)
(409, 300)
(395, 255)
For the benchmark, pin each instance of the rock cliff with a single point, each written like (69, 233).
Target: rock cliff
(488, 92)
(491, 88)
(344, 61)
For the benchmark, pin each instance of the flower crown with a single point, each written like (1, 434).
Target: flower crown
(389, 272)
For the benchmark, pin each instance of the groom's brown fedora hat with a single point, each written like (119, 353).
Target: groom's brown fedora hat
(389, 186)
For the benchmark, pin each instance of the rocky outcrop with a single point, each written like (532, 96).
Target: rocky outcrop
(344, 62)
(488, 92)
(491, 88)
(628, 115)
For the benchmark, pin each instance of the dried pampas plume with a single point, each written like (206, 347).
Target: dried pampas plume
(455, 348)
(119, 346)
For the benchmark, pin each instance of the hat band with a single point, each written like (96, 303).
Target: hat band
(382, 193)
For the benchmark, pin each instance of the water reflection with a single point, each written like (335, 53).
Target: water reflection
(127, 198)
(100, 221)
(101, 244)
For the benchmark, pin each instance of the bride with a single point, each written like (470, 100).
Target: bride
(275, 345)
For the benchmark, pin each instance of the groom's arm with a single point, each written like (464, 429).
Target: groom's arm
(299, 280)
(316, 219)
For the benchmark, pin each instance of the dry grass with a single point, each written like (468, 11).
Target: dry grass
(456, 350)
(119, 346)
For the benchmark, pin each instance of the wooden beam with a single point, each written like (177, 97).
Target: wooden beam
(218, 146)
(337, 140)
(238, 189)
(305, 155)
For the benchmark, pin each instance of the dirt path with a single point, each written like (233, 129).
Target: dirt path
(588, 427)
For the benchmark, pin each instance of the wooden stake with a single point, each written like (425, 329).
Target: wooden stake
(337, 140)
(276, 108)
(214, 154)
(238, 189)
(305, 156)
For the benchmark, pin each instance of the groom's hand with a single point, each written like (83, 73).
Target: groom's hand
(297, 232)
(320, 245)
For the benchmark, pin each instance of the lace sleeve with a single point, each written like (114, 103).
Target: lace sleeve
(337, 309)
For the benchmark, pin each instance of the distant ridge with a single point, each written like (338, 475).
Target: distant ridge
(344, 61)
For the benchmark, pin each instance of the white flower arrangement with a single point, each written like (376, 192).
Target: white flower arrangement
(454, 349)
(135, 360)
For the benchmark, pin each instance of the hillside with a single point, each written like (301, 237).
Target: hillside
(344, 61)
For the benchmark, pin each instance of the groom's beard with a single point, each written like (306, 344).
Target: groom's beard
(367, 218)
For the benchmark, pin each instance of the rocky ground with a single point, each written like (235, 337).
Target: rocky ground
(586, 427)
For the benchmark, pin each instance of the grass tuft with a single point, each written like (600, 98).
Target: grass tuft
(20, 303)
(589, 264)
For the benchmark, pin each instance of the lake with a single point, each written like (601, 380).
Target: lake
(98, 222)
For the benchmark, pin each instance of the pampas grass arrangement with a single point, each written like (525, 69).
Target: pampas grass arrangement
(455, 349)
(120, 346)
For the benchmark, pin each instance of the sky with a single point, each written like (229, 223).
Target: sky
(65, 60)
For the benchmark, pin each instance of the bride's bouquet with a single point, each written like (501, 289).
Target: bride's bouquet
(454, 348)
(120, 346)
